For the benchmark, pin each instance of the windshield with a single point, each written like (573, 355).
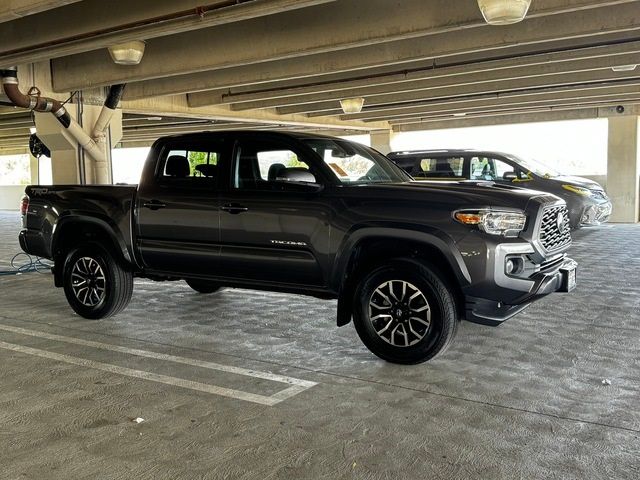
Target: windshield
(354, 163)
(537, 167)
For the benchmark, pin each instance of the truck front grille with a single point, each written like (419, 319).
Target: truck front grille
(555, 232)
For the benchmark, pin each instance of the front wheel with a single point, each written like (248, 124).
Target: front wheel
(405, 313)
(95, 284)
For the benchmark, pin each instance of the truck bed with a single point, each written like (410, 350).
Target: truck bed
(49, 206)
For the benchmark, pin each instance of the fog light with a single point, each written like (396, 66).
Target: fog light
(514, 266)
(511, 266)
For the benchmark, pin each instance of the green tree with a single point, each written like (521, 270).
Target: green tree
(292, 161)
(196, 158)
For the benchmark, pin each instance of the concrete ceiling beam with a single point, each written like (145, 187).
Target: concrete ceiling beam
(243, 78)
(546, 115)
(531, 117)
(15, 9)
(79, 29)
(22, 121)
(469, 87)
(323, 67)
(512, 111)
(177, 107)
(580, 60)
(525, 101)
(401, 28)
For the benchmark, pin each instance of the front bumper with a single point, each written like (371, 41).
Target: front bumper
(554, 278)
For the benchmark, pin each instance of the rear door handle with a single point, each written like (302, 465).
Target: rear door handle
(234, 208)
(154, 205)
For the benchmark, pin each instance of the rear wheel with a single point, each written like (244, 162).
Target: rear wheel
(95, 284)
(203, 287)
(405, 313)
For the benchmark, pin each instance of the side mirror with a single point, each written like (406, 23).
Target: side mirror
(510, 176)
(299, 187)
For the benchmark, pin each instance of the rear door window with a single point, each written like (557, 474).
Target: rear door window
(267, 164)
(191, 165)
(449, 168)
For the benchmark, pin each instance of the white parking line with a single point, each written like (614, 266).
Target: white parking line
(296, 385)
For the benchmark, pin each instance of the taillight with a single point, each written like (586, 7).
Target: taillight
(24, 205)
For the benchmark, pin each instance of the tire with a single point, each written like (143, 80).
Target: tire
(203, 287)
(110, 286)
(427, 331)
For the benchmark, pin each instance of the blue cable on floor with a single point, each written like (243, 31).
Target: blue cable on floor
(31, 264)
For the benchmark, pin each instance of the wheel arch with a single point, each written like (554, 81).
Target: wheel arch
(364, 249)
(70, 231)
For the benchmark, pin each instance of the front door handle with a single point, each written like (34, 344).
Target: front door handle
(234, 208)
(154, 205)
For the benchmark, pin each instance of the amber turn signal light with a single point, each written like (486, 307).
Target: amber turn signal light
(469, 218)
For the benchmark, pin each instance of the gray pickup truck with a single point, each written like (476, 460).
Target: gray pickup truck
(310, 215)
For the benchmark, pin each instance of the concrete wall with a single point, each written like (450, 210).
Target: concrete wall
(601, 179)
(10, 196)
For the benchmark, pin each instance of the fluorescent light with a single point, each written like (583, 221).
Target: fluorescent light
(461, 114)
(352, 105)
(129, 53)
(624, 68)
(504, 12)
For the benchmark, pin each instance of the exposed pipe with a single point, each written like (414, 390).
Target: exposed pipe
(45, 104)
(108, 109)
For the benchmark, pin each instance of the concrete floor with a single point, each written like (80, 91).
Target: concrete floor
(525, 400)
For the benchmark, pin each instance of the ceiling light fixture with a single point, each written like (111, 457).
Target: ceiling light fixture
(504, 12)
(624, 68)
(352, 105)
(128, 53)
(32, 130)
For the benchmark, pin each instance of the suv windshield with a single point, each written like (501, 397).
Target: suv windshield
(355, 163)
(534, 166)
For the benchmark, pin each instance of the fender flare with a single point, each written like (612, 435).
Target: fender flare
(428, 236)
(77, 218)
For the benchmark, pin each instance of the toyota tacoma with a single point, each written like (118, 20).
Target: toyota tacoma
(312, 215)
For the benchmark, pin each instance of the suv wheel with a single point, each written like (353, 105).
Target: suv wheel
(203, 287)
(95, 285)
(404, 312)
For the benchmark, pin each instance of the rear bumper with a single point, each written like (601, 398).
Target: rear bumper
(491, 312)
(34, 243)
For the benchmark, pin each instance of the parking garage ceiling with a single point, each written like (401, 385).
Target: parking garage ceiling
(419, 64)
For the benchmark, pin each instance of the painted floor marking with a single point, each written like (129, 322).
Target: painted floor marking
(296, 385)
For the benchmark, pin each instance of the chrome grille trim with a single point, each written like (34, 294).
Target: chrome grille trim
(551, 238)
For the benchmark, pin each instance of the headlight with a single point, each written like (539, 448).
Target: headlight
(579, 190)
(494, 222)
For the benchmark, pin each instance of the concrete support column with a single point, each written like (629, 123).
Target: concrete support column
(381, 140)
(623, 168)
(34, 170)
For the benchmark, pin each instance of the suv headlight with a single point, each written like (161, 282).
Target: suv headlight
(579, 190)
(494, 222)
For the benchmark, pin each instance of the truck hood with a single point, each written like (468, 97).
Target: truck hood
(464, 194)
(578, 181)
